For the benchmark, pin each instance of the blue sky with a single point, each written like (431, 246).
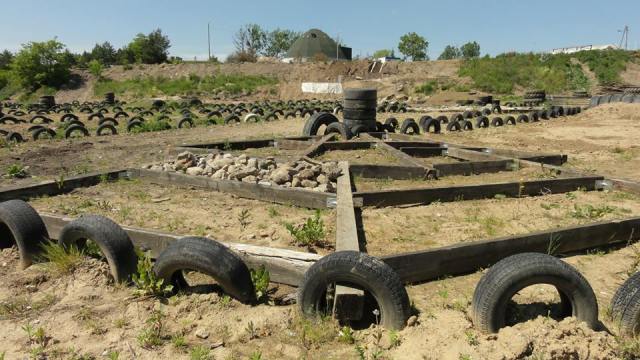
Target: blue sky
(365, 26)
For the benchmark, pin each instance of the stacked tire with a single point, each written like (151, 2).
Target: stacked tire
(359, 110)
(535, 97)
(47, 102)
(110, 98)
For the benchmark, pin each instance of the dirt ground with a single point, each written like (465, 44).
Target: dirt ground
(83, 315)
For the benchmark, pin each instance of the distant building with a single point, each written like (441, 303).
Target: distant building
(385, 59)
(316, 43)
(574, 49)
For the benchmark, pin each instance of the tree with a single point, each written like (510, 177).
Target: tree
(414, 46)
(278, 42)
(382, 53)
(450, 52)
(105, 53)
(149, 49)
(42, 63)
(470, 50)
(250, 39)
(95, 68)
(6, 57)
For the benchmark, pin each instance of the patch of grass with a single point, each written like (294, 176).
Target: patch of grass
(588, 211)
(427, 88)
(145, 280)
(311, 233)
(19, 306)
(313, 333)
(144, 87)
(179, 342)
(346, 335)
(200, 353)
(62, 260)
(152, 125)
(260, 278)
(152, 334)
(16, 171)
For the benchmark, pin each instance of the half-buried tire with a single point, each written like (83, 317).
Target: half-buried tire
(20, 225)
(113, 241)
(358, 270)
(339, 128)
(207, 257)
(313, 124)
(512, 274)
(625, 306)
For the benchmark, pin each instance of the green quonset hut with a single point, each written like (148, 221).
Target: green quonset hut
(315, 42)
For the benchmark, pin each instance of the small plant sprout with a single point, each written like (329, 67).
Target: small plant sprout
(260, 279)
(309, 234)
(243, 218)
(16, 171)
(145, 279)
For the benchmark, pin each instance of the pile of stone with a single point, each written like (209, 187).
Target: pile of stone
(294, 174)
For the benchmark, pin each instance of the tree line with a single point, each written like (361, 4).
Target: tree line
(413, 46)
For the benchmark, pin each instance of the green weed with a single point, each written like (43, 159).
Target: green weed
(311, 233)
(145, 280)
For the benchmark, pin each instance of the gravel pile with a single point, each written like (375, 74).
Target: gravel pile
(295, 174)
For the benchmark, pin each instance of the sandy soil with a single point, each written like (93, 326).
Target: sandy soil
(392, 230)
(188, 211)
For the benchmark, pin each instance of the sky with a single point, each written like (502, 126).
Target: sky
(366, 26)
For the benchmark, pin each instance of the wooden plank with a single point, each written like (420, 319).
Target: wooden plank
(274, 194)
(625, 185)
(348, 145)
(232, 144)
(286, 144)
(470, 155)
(474, 167)
(387, 171)
(414, 144)
(470, 256)
(349, 302)
(430, 172)
(317, 148)
(422, 152)
(57, 187)
(284, 266)
(473, 192)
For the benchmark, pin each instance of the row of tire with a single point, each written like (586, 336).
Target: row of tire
(426, 124)
(24, 228)
(628, 98)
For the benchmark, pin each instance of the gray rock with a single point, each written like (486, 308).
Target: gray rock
(202, 333)
(250, 179)
(308, 183)
(295, 182)
(331, 170)
(280, 176)
(220, 174)
(322, 179)
(185, 155)
(306, 174)
(252, 163)
(242, 173)
(195, 170)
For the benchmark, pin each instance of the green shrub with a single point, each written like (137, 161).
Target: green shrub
(311, 233)
(95, 68)
(187, 85)
(62, 260)
(427, 88)
(16, 171)
(260, 278)
(145, 280)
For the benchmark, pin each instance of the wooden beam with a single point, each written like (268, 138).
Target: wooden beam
(470, 155)
(57, 187)
(317, 148)
(347, 145)
(274, 194)
(471, 256)
(286, 144)
(349, 302)
(232, 145)
(474, 167)
(387, 171)
(284, 266)
(422, 152)
(473, 192)
(430, 172)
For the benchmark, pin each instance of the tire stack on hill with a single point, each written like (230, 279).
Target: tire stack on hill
(535, 97)
(110, 98)
(47, 102)
(359, 109)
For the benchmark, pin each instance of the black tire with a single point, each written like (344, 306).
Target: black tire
(482, 122)
(186, 121)
(75, 128)
(231, 118)
(453, 126)
(369, 104)
(510, 120)
(522, 118)
(359, 114)
(208, 257)
(625, 306)
(313, 124)
(409, 124)
(42, 133)
(113, 241)
(95, 115)
(133, 124)
(360, 94)
(360, 270)
(442, 119)
(455, 118)
(359, 129)
(422, 120)
(393, 122)
(467, 115)
(21, 225)
(66, 117)
(431, 123)
(534, 117)
(514, 273)
(339, 128)
(466, 125)
(106, 129)
(14, 137)
(497, 121)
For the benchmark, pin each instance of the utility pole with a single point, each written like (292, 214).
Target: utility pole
(625, 37)
(209, 38)
(338, 47)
